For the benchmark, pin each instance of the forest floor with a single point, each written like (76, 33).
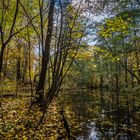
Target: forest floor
(18, 122)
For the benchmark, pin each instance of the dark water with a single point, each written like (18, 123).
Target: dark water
(104, 115)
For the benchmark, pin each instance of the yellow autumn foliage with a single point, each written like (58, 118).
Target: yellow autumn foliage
(116, 25)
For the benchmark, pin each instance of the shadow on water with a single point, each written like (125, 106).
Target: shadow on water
(104, 115)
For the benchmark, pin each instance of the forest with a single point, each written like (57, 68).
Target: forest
(69, 69)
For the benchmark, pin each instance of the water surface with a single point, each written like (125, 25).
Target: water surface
(104, 114)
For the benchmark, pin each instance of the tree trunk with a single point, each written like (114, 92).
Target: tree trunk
(116, 77)
(4, 43)
(25, 64)
(138, 65)
(18, 70)
(18, 65)
(29, 59)
(132, 78)
(46, 55)
(126, 75)
(1, 57)
(5, 65)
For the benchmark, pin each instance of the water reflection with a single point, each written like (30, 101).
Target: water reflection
(94, 134)
(104, 114)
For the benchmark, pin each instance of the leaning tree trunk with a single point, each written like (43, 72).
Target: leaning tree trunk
(46, 55)
(4, 43)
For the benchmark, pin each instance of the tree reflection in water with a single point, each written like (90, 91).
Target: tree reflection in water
(104, 114)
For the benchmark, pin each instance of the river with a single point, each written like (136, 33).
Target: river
(103, 114)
